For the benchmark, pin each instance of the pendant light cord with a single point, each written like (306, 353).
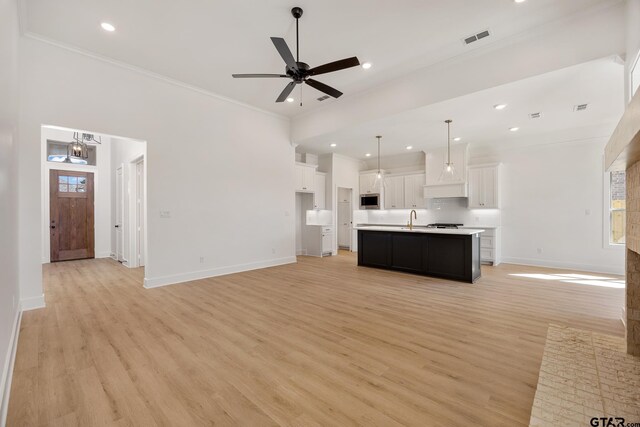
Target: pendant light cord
(448, 141)
(379, 154)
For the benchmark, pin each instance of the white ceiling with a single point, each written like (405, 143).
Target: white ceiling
(599, 83)
(202, 43)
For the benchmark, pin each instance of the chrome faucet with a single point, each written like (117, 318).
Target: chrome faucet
(412, 215)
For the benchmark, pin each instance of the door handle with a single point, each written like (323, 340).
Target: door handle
(117, 226)
(53, 226)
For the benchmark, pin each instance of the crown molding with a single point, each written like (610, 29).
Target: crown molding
(143, 71)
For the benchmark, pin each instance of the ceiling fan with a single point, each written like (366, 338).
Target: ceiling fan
(300, 72)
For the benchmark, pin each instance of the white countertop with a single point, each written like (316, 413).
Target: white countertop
(456, 231)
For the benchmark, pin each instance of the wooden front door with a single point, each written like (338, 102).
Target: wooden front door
(72, 222)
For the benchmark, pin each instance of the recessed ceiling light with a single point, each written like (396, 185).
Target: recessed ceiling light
(514, 129)
(500, 106)
(108, 27)
(519, 1)
(456, 139)
(409, 147)
(368, 154)
(289, 99)
(366, 65)
(333, 145)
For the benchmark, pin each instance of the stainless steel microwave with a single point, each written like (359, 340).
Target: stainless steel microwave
(370, 201)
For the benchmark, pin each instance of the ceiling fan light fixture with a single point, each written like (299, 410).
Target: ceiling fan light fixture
(333, 144)
(500, 106)
(457, 139)
(300, 72)
(290, 99)
(366, 65)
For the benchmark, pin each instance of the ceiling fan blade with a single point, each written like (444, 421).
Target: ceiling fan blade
(335, 66)
(285, 93)
(324, 88)
(257, 76)
(284, 52)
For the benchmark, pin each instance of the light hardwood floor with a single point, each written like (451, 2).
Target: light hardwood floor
(320, 342)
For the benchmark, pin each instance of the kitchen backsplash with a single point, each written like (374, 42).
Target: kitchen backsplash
(438, 210)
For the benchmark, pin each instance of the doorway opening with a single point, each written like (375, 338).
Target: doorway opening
(345, 218)
(94, 197)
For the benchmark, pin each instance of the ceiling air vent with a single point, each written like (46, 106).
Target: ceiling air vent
(580, 107)
(476, 37)
(535, 115)
(323, 97)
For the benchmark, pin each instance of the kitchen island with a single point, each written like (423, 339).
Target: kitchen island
(448, 253)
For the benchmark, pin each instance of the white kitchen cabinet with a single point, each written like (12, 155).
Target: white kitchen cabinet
(484, 187)
(394, 192)
(489, 244)
(327, 241)
(368, 183)
(414, 192)
(305, 176)
(319, 188)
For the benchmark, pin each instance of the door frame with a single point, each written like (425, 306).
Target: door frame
(119, 249)
(134, 246)
(46, 201)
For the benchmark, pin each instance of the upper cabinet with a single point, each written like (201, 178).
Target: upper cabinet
(394, 192)
(484, 187)
(305, 176)
(414, 192)
(439, 185)
(368, 183)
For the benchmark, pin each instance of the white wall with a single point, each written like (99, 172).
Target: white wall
(553, 199)
(123, 152)
(632, 16)
(9, 291)
(102, 190)
(223, 170)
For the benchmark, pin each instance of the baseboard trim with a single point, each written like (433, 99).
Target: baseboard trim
(103, 255)
(606, 269)
(156, 282)
(7, 373)
(32, 303)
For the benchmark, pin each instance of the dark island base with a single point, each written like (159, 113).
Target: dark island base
(449, 256)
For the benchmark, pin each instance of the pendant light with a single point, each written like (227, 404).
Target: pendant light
(379, 176)
(448, 171)
(78, 148)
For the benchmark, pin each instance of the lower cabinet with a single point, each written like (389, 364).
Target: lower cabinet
(408, 252)
(455, 257)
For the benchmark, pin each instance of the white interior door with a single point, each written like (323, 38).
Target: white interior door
(344, 219)
(140, 213)
(119, 214)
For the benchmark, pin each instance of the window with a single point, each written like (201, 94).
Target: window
(72, 184)
(617, 208)
(634, 77)
(57, 153)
